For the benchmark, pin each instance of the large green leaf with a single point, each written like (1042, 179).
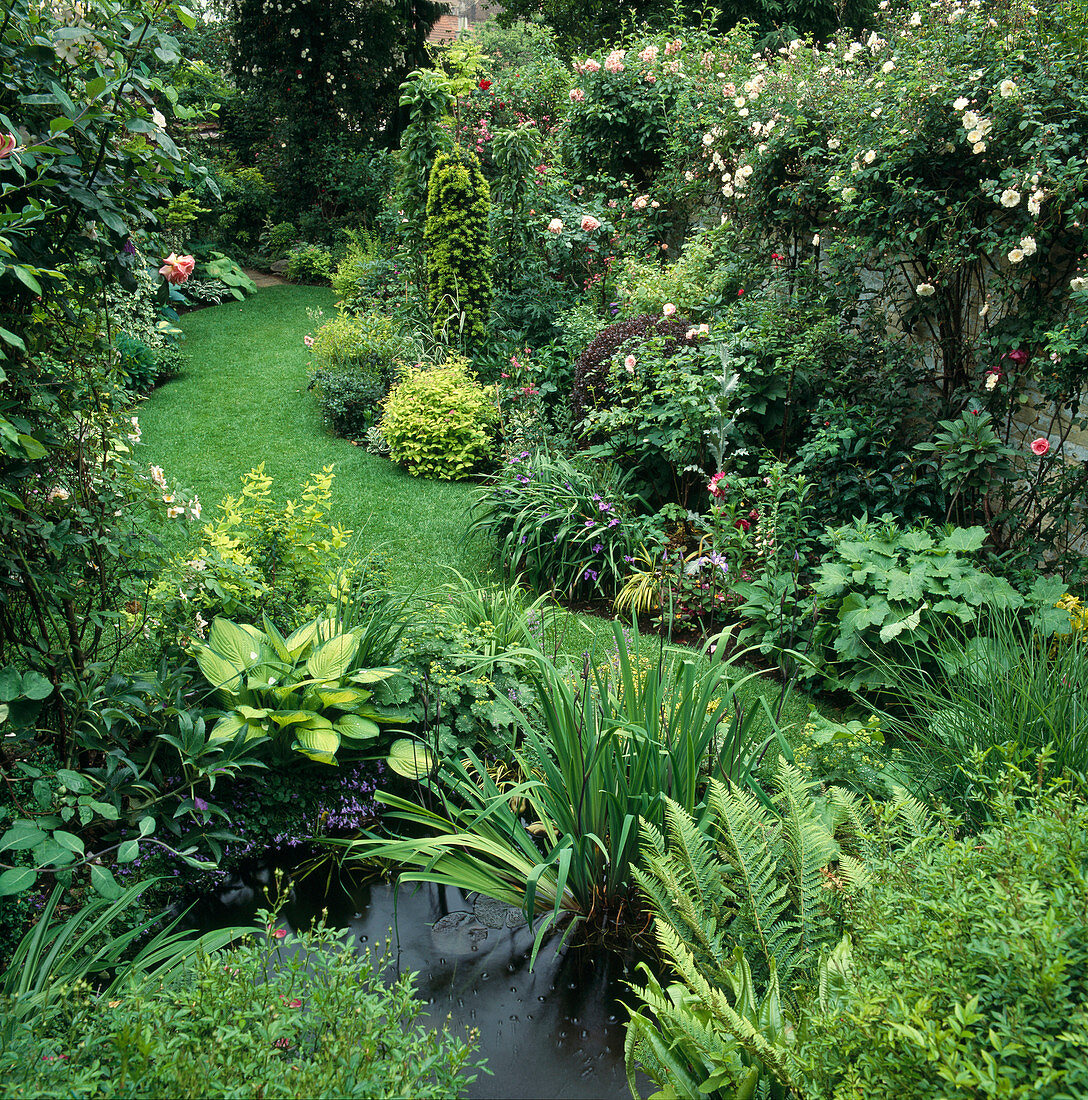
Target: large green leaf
(284, 718)
(238, 644)
(410, 758)
(332, 660)
(227, 727)
(318, 743)
(372, 675)
(356, 728)
(343, 698)
(297, 643)
(221, 673)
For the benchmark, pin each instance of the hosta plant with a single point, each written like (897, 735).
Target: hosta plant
(308, 688)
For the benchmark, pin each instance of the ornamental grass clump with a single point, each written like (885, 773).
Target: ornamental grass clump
(561, 527)
(440, 422)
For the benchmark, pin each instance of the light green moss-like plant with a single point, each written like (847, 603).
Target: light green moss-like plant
(458, 246)
(440, 422)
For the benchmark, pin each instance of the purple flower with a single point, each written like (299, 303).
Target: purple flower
(589, 575)
(604, 505)
(614, 522)
(598, 547)
(200, 804)
(590, 523)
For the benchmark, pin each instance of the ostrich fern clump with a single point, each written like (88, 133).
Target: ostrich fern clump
(457, 246)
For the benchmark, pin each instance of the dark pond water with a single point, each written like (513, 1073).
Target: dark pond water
(555, 1031)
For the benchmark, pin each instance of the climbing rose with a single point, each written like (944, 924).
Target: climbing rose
(555, 226)
(1040, 446)
(577, 95)
(176, 269)
(630, 363)
(589, 223)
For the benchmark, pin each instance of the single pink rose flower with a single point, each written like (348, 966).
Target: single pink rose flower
(1040, 446)
(669, 310)
(177, 269)
(589, 223)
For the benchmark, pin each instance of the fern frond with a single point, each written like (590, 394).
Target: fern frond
(810, 847)
(905, 809)
(750, 844)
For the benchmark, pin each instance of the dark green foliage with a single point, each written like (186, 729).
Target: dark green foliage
(458, 246)
(592, 367)
(350, 398)
(970, 967)
(326, 72)
(294, 1017)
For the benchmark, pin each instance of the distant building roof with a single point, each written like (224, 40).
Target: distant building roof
(463, 14)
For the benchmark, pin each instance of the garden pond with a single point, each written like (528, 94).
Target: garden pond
(556, 1030)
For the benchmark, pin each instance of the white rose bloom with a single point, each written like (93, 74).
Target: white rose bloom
(1007, 88)
(925, 290)
(1028, 246)
(1016, 255)
(960, 104)
(1010, 197)
(979, 147)
(970, 120)
(1078, 284)
(916, 19)
(870, 156)
(849, 194)
(974, 135)
(833, 143)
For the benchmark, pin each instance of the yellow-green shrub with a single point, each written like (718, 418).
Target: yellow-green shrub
(440, 422)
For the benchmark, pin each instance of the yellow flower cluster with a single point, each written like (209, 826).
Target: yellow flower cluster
(1078, 616)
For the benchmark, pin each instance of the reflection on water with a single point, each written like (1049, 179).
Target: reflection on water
(556, 1031)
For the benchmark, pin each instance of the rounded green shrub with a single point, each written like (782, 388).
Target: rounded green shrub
(440, 422)
(457, 244)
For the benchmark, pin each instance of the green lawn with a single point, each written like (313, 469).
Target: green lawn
(242, 400)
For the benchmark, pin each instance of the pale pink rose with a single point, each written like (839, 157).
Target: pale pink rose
(613, 63)
(591, 66)
(589, 223)
(669, 310)
(630, 363)
(176, 269)
(1040, 446)
(308, 340)
(674, 47)
(641, 202)
(650, 78)
(649, 54)
(555, 226)
(577, 95)
(729, 90)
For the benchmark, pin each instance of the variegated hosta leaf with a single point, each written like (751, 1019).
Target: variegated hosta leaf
(356, 728)
(332, 659)
(410, 758)
(342, 698)
(318, 742)
(223, 674)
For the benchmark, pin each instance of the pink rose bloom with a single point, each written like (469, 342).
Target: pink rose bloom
(591, 66)
(614, 61)
(674, 47)
(641, 202)
(630, 362)
(1040, 446)
(555, 226)
(729, 90)
(176, 269)
(714, 486)
(589, 223)
(650, 78)
(577, 95)
(649, 54)
(7, 145)
(668, 309)
(308, 340)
